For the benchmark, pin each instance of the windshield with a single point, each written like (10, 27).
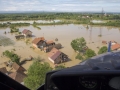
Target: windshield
(38, 36)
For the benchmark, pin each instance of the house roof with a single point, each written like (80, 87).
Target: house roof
(50, 42)
(17, 76)
(37, 40)
(3, 70)
(17, 67)
(54, 53)
(25, 31)
(115, 46)
(57, 46)
(113, 41)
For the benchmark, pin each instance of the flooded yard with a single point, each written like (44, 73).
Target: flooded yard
(4, 41)
(65, 34)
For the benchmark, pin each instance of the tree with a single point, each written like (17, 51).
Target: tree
(14, 57)
(78, 44)
(36, 74)
(89, 53)
(80, 57)
(59, 67)
(102, 50)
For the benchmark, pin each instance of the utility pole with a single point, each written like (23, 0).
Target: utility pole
(90, 33)
(102, 13)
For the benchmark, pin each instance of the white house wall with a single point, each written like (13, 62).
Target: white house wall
(51, 60)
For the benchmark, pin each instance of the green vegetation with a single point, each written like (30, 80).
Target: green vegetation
(19, 24)
(4, 25)
(13, 57)
(13, 29)
(59, 67)
(79, 44)
(35, 25)
(27, 41)
(36, 74)
(13, 25)
(66, 18)
(80, 57)
(102, 50)
(89, 53)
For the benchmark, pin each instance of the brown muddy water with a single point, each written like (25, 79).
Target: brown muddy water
(65, 34)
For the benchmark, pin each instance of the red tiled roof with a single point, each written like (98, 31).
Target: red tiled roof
(17, 76)
(54, 53)
(25, 31)
(50, 42)
(37, 40)
(116, 46)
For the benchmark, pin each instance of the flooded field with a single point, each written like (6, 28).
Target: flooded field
(31, 21)
(4, 41)
(65, 34)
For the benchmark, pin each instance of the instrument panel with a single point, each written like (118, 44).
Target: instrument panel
(88, 83)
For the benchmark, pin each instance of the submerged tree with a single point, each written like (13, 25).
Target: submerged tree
(102, 50)
(59, 67)
(14, 57)
(79, 56)
(89, 53)
(78, 44)
(36, 74)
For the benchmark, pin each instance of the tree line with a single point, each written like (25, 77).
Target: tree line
(66, 18)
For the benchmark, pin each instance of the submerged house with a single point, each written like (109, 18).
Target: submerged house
(39, 42)
(18, 68)
(19, 36)
(56, 56)
(27, 33)
(113, 42)
(50, 43)
(19, 77)
(48, 49)
(115, 47)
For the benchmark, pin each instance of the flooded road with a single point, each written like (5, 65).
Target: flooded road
(65, 34)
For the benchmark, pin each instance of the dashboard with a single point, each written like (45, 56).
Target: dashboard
(99, 73)
(102, 82)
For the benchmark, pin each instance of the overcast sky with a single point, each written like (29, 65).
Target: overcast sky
(60, 5)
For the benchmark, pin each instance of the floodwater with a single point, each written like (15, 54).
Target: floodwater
(65, 34)
(98, 21)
